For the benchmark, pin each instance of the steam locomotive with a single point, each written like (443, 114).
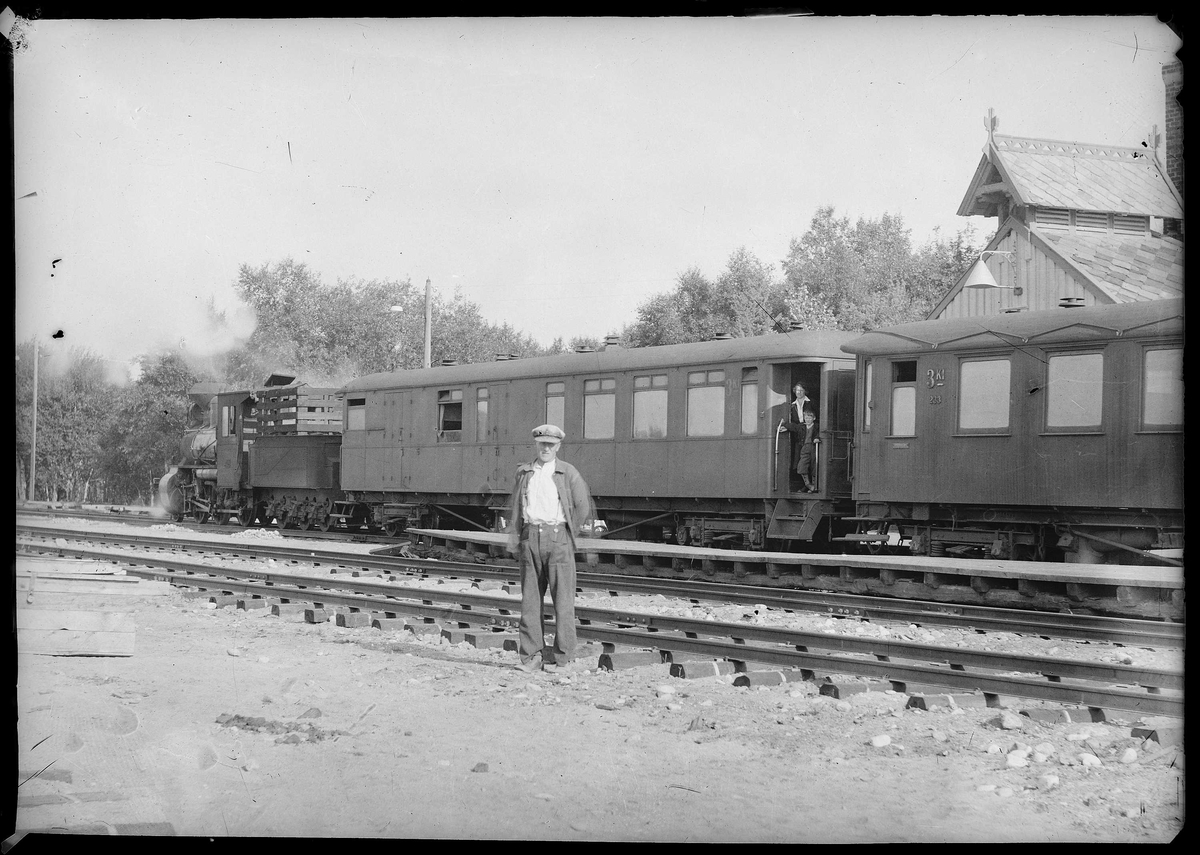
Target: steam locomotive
(1051, 435)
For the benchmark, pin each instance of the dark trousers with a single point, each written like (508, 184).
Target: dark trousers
(804, 465)
(547, 561)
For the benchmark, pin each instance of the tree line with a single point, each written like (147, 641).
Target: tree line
(107, 442)
(837, 275)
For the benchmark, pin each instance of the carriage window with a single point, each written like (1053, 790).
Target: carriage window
(450, 415)
(983, 394)
(356, 414)
(650, 407)
(556, 403)
(599, 408)
(904, 398)
(749, 401)
(1162, 389)
(1075, 390)
(869, 395)
(706, 403)
(481, 414)
(228, 421)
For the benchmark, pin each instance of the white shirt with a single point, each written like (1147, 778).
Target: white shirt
(541, 495)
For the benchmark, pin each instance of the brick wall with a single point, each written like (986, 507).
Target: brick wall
(1172, 74)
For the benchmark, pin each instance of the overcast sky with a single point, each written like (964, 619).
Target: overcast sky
(557, 171)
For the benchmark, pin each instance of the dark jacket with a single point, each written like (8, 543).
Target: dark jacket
(573, 497)
(794, 422)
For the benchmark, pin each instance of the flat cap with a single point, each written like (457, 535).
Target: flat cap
(548, 433)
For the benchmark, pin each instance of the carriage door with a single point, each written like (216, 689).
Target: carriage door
(487, 463)
(837, 432)
(783, 379)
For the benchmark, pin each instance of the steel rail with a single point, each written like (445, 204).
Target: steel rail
(866, 607)
(1145, 703)
(980, 618)
(145, 520)
(789, 648)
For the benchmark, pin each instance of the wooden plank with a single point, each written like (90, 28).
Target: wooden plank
(47, 642)
(72, 599)
(54, 564)
(25, 574)
(75, 619)
(58, 632)
(114, 587)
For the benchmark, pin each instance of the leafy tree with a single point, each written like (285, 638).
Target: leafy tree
(658, 321)
(746, 299)
(323, 333)
(749, 300)
(938, 264)
(867, 274)
(142, 440)
(330, 334)
(73, 406)
(460, 332)
(809, 310)
(23, 389)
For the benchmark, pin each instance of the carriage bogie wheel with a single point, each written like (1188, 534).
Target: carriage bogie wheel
(245, 516)
(199, 516)
(221, 518)
(282, 520)
(304, 524)
(392, 528)
(326, 522)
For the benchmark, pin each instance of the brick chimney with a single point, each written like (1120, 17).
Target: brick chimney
(1172, 74)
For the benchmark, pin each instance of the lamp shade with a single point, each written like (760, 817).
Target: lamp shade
(980, 277)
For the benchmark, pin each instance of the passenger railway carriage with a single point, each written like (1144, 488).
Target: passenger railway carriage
(677, 442)
(1049, 435)
(1053, 435)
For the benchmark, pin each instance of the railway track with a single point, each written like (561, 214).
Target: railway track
(338, 582)
(962, 587)
(144, 518)
(982, 619)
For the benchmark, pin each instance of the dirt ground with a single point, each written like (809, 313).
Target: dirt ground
(236, 723)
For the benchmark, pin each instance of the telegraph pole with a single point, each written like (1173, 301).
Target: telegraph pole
(428, 322)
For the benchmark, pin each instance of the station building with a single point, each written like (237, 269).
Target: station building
(1078, 224)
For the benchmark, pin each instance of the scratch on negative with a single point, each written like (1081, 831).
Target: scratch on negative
(39, 771)
(223, 163)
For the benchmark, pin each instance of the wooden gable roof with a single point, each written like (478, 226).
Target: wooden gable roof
(1078, 176)
(1037, 267)
(1127, 269)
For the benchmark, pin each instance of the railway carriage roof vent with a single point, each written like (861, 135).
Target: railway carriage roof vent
(612, 341)
(502, 357)
(1071, 303)
(722, 336)
(585, 348)
(795, 326)
(446, 363)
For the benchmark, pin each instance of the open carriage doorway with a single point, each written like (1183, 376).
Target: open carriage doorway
(803, 379)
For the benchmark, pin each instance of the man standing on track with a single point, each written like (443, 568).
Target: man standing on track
(550, 502)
